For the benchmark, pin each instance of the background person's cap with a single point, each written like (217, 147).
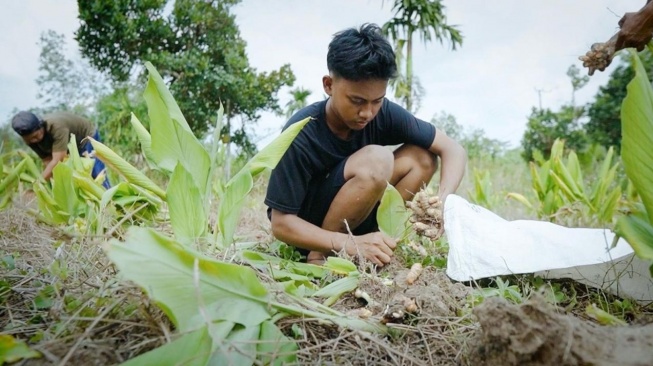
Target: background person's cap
(25, 123)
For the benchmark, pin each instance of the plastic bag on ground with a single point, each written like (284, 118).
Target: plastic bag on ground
(482, 245)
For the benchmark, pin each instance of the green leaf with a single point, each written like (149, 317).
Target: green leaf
(602, 178)
(274, 348)
(63, 190)
(340, 265)
(337, 288)
(187, 216)
(232, 203)
(239, 348)
(562, 174)
(166, 270)
(608, 207)
(128, 171)
(144, 138)
(12, 350)
(172, 139)
(12, 176)
(392, 214)
(520, 198)
(191, 349)
(573, 166)
(637, 134)
(638, 232)
(273, 152)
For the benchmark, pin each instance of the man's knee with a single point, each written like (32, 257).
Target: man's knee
(417, 157)
(372, 163)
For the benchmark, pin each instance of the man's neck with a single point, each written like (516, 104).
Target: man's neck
(335, 124)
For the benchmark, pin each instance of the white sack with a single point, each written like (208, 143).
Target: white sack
(482, 244)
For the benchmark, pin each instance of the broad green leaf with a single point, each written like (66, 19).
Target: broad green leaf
(144, 138)
(166, 270)
(191, 349)
(232, 203)
(336, 289)
(538, 183)
(603, 182)
(239, 348)
(637, 134)
(557, 149)
(73, 155)
(549, 204)
(63, 190)
(340, 265)
(562, 184)
(603, 317)
(89, 186)
(561, 174)
(172, 139)
(638, 232)
(12, 177)
(274, 348)
(573, 166)
(187, 216)
(273, 152)
(12, 350)
(156, 83)
(520, 198)
(48, 208)
(607, 207)
(265, 261)
(121, 166)
(392, 214)
(30, 165)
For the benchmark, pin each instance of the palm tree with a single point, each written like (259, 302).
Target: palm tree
(299, 96)
(425, 17)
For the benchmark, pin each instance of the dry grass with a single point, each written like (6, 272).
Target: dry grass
(63, 296)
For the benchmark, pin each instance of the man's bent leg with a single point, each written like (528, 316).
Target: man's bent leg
(413, 168)
(366, 174)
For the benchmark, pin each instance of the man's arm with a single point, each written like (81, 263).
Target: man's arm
(636, 28)
(454, 160)
(57, 156)
(291, 229)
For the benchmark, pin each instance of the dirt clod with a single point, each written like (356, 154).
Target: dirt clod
(534, 333)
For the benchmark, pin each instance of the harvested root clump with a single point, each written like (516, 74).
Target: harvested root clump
(426, 214)
(600, 55)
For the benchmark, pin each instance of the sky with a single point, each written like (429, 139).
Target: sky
(515, 53)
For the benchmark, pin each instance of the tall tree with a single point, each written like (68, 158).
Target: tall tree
(298, 101)
(197, 48)
(427, 18)
(65, 83)
(604, 125)
(475, 141)
(545, 126)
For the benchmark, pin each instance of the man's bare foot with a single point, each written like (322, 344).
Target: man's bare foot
(316, 258)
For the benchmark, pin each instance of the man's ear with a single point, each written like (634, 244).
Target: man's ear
(327, 84)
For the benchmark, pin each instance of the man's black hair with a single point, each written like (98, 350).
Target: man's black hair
(361, 54)
(25, 123)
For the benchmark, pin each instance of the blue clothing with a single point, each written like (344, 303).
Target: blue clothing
(98, 167)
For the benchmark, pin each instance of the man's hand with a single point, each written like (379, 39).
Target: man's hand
(375, 247)
(635, 31)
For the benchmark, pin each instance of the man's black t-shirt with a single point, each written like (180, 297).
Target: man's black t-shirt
(316, 150)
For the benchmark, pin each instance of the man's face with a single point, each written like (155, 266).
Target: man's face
(355, 103)
(34, 137)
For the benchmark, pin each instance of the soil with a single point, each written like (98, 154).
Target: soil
(440, 331)
(535, 333)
